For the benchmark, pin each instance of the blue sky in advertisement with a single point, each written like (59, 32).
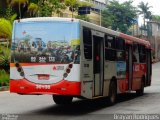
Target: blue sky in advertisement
(47, 31)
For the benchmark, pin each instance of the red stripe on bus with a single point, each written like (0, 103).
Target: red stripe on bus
(63, 87)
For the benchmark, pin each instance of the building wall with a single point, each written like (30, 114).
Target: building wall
(155, 38)
(155, 29)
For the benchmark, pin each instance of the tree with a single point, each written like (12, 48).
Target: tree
(32, 9)
(19, 6)
(72, 4)
(119, 16)
(156, 18)
(57, 6)
(6, 27)
(47, 8)
(144, 10)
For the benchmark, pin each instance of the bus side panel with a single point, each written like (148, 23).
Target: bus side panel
(139, 71)
(122, 83)
(109, 72)
(86, 69)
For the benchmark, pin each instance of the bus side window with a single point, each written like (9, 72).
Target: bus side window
(110, 52)
(142, 53)
(120, 49)
(135, 53)
(87, 40)
(110, 41)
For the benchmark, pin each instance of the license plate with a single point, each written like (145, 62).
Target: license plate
(43, 77)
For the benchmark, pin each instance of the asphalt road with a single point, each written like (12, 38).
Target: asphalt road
(42, 107)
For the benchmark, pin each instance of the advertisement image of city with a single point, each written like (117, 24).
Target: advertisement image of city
(45, 42)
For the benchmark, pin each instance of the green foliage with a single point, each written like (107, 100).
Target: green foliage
(4, 78)
(144, 10)
(83, 17)
(6, 24)
(50, 7)
(34, 1)
(5, 28)
(72, 3)
(2, 12)
(57, 6)
(156, 18)
(119, 16)
(45, 11)
(85, 3)
(32, 9)
(16, 2)
(4, 58)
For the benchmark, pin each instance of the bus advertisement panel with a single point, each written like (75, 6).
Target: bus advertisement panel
(45, 42)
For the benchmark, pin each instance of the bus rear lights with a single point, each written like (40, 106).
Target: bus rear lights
(70, 66)
(65, 75)
(22, 74)
(17, 65)
(68, 71)
(19, 69)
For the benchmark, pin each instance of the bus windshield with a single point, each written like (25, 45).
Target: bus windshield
(46, 42)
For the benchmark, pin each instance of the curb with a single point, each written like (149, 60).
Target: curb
(4, 88)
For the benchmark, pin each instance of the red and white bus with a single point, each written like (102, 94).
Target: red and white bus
(70, 58)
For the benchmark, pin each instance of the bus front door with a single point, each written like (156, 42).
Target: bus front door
(98, 65)
(129, 65)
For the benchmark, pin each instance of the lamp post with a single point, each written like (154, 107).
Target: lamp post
(100, 17)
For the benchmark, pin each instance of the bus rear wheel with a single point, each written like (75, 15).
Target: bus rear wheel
(140, 92)
(112, 93)
(62, 99)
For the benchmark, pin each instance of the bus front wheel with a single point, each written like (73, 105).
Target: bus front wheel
(62, 99)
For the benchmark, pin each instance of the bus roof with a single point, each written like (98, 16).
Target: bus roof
(118, 34)
(47, 19)
(90, 25)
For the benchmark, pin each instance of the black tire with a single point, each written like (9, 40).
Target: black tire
(61, 99)
(112, 93)
(140, 92)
